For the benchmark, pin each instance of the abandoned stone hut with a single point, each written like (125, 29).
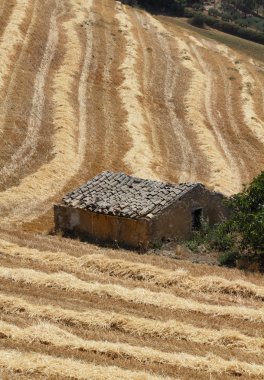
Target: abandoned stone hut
(126, 211)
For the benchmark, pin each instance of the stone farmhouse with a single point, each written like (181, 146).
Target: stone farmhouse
(118, 209)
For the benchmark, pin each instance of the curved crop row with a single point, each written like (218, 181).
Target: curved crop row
(38, 188)
(12, 39)
(64, 281)
(136, 271)
(34, 364)
(28, 148)
(132, 325)
(59, 338)
(140, 156)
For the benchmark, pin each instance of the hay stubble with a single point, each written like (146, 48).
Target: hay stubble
(143, 90)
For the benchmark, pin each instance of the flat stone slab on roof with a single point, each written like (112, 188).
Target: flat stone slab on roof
(126, 196)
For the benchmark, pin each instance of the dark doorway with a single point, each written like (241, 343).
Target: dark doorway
(197, 218)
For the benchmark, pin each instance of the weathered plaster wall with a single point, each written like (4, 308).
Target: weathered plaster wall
(102, 228)
(176, 221)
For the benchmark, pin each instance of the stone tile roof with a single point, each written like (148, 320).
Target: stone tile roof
(126, 196)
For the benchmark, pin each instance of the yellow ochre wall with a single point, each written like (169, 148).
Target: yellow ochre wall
(102, 228)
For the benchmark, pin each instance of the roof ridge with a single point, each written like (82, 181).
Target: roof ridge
(117, 193)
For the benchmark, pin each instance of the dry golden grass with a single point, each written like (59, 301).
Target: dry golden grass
(251, 117)
(12, 39)
(65, 281)
(125, 269)
(246, 68)
(131, 325)
(36, 189)
(157, 102)
(214, 123)
(140, 157)
(187, 168)
(51, 335)
(220, 171)
(199, 111)
(33, 365)
(27, 150)
(82, 90)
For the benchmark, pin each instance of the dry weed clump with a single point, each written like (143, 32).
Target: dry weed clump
(128, 324)
(34, 364)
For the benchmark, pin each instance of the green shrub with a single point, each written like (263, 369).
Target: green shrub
(227, 27)
(226, 16)
(244, 231)
(193, 245)
(214, 12)
(211, 237)
(156, 245)
(228, 258)
(242, 22)
(247, 219)
(189, 12)
(172, 7)
(242, 236)
(219, 238)
(197, 6)
(236, 15)
(198, 238)
(198, 20)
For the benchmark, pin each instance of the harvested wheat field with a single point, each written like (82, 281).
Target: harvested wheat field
(92, 85)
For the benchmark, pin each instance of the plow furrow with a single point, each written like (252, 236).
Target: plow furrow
(66, 282)
(187, 169)
(6, 8)
(12, 40)
(231, 167)
(245, 122)
(248, 104)
(128, 324)
(124, 269)
(53, 336)
(24, 154)
(153, 80)
(16, 108)
(82, 90)
(36, 189)
(34, 364)
(196, 115)
(111, 100)
(140, 157)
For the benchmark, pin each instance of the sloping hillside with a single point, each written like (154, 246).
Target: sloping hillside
(87, 85)
(93, 85)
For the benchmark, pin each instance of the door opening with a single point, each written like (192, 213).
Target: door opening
(197, 218)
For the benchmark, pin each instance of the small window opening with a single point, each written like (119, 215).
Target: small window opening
(197, 218)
